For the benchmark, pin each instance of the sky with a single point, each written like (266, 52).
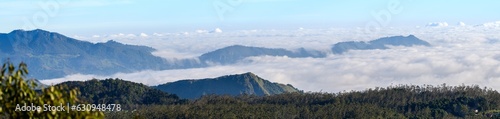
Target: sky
(91, 17)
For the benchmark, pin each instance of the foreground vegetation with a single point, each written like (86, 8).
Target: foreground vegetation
(16, 92)
(118, 91)
(141, 101)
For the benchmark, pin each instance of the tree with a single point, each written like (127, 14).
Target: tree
(15, 92)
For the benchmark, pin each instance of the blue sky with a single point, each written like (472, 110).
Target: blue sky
(87, 17)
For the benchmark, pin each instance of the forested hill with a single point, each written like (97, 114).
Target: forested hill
(247, 83)
(118, 91)
(403, 101)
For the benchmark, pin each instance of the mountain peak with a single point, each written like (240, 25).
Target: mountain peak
(40, 30)
(37, 34)
(112, 42)
(236, 46)
(30, 31)
(247, 83)
(250, 74)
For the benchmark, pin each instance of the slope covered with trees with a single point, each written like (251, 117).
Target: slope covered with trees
(16, 91)
(141, 101)
(403, 101)
(118, 91)
(247, 83)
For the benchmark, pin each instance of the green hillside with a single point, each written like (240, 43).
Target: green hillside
(247, 83)
(398, 102)
(117, 91)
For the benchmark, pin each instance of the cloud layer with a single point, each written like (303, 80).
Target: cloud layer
(459, 55)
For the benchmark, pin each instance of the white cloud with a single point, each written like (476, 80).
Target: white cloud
(201, 31)
(461, 24)
(157, 34)
(437, 24)
(491, 24)
(217, 30)
(131, 35)
(144, 35)
(172, 54)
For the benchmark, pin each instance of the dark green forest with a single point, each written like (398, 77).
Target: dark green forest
(401, 101)
(118, 91)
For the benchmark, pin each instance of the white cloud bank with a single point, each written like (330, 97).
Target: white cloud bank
(437, 24)
(460, 55)
(461, 24)
(492, 24)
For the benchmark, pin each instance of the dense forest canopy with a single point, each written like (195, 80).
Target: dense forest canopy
(16, 91)
(401, 101)
(118, 91)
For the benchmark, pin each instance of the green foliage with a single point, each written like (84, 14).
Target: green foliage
(399, 102)
(15, 92)
(118, 91)
(141, 101)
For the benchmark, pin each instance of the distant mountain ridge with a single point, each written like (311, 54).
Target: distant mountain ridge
(52, 55)
(235, 53)
(247, 83)
(380, 43)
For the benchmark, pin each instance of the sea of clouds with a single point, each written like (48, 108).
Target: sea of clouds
(459, 54)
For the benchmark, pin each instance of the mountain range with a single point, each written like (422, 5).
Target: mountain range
(235, 53)
(247, 83)
(52, 55)
(381, 43)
